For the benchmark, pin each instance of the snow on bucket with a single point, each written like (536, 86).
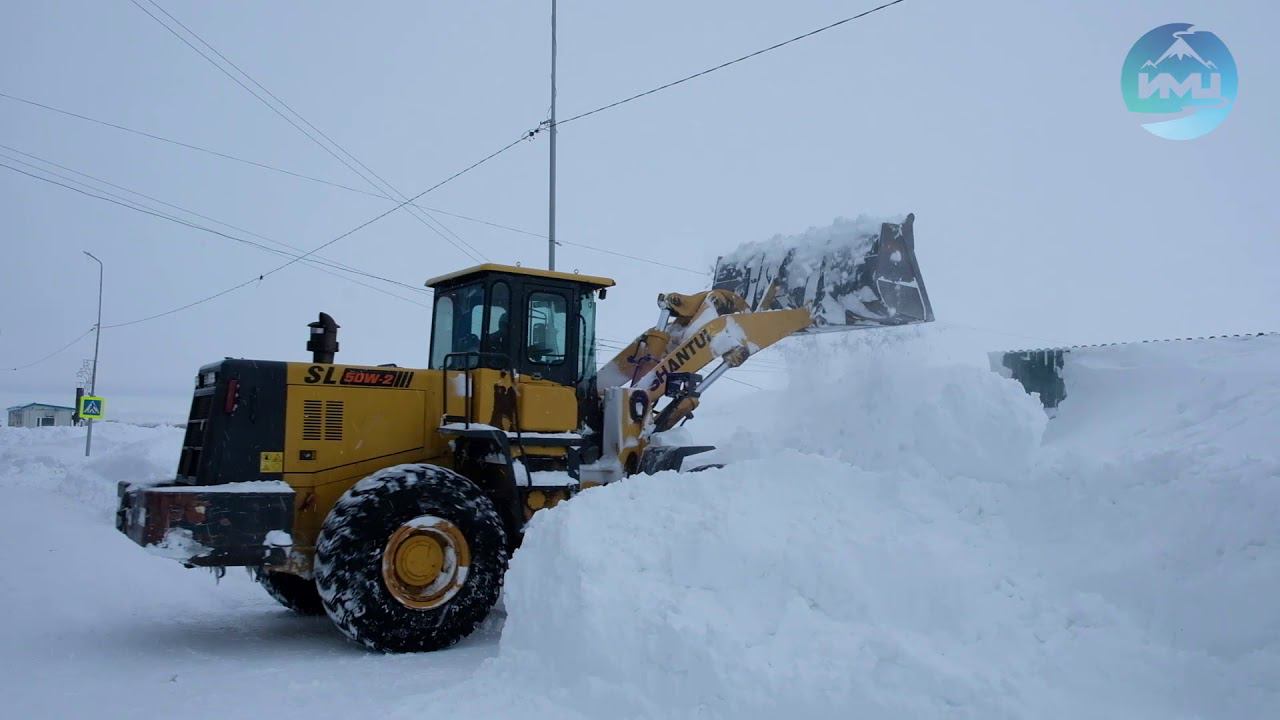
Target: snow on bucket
(852, 274)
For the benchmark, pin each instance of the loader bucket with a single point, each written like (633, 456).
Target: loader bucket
(853, 274)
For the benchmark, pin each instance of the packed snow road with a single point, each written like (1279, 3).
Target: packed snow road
(96, 628)
(896, 536)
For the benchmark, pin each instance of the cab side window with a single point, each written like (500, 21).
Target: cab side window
(497, 334)
(586, 336)
(546, 329)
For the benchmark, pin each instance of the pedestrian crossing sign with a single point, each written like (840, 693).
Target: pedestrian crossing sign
(92, 407)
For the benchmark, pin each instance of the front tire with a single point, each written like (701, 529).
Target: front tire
(410, 559)
(292, 591)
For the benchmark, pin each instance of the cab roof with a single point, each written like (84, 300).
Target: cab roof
(592, 280)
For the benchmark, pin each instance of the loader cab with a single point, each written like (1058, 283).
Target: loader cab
(536, 322)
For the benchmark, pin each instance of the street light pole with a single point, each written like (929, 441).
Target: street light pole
(551, 200)
(97, 336)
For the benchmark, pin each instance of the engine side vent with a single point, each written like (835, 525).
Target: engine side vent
(333, 412)
(322, 419)
(312, 419)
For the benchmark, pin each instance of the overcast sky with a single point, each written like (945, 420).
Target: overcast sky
(1045, 214)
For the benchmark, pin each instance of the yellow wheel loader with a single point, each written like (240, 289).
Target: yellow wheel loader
(391, 498)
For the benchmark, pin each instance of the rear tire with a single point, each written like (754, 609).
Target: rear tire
(292, 591)
(410, 559)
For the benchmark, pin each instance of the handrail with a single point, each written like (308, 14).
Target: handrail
(506, 365)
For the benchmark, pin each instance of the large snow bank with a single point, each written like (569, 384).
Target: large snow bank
(892, 539)
(893, 542)
(1159, 490)
(53, 458)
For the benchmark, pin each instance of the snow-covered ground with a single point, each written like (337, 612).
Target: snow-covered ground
(93, 627)
(897, 535)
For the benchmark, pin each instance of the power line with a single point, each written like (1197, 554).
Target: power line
(33, 363)
(187, 145)
(149, 212)
(730, 378)
(317, 261)
(126, 203)
(304, 256)
(381, 215)
(265, 166)
(723, 65)
(116, 201)
(382, 185)
(696, 75)
(235, 79)
(528, 135)
(482, 221)
(353, 230)
(465, 247)
(332, 264)
(631, 257)
(302, 176)
(180, 308)
(257, 164)
(585, 246)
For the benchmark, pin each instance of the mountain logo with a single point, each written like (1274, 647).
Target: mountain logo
(1180, 80)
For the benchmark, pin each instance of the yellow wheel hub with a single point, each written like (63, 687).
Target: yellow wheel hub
(425, 562)
(419, 560)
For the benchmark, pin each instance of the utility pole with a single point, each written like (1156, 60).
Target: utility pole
(97, 336)
(551, 204)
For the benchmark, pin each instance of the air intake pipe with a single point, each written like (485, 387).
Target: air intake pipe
(324, 339)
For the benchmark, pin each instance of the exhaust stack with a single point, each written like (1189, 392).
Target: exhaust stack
(323, 344)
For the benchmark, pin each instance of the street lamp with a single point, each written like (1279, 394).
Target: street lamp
(97, 336)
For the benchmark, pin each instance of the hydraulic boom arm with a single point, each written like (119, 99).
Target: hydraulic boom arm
(855, 274)
(693, 331)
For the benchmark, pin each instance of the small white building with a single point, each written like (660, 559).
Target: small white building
(41, 415)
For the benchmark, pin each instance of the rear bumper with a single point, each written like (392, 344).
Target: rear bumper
(209, 525)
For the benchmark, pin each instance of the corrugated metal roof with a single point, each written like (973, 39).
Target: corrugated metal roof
(1137, 342)
(40, 405)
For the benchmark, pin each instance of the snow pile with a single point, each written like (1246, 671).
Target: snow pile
(885, 403)
(1159, 490)
(894, 542)
(52, 458)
